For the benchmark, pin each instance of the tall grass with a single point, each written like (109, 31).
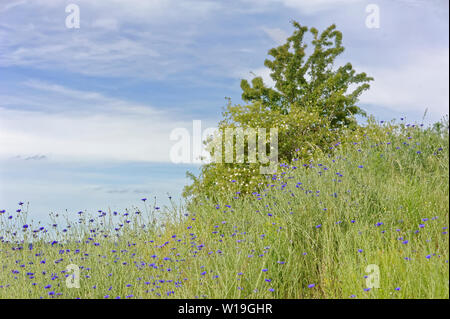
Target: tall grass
(310, 232)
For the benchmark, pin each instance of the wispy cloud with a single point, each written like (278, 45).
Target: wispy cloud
(307, 7)
(420, 82)
(35, 158)
(111, 129)
(113, 39)
(311, 7)
(278, 35)
(81, 102)
(7, 6)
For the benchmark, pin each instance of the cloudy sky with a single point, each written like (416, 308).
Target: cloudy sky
(86, 113)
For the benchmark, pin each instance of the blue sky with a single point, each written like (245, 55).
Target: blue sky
(86, 114)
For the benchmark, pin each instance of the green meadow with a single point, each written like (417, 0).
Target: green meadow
(368, 219)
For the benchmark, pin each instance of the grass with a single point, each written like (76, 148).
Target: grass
(316, 230)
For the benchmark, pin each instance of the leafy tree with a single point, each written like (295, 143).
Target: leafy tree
(312, 103)
(310, 81)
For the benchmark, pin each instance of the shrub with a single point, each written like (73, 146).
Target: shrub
(311, 104)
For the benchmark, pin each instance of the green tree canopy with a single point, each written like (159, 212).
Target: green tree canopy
(310, 81)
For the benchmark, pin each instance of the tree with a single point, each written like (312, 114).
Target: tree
(312, 103)
(310, 81)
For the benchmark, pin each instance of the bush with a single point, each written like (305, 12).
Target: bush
(311, 105)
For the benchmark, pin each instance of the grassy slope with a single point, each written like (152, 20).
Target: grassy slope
(382, 204)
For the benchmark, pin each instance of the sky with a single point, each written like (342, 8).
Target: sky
(86, 113)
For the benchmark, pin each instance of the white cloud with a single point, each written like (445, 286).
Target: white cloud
(87, 101)
(310, 7)
(421, 82)
(108, 24)
(7, 6)
(279, 36)
(115, 38)
(79, 53)
(112, 129)
(304, 6)
(99, 137)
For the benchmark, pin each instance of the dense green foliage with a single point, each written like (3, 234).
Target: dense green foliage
(311, 82)
(313, 99)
